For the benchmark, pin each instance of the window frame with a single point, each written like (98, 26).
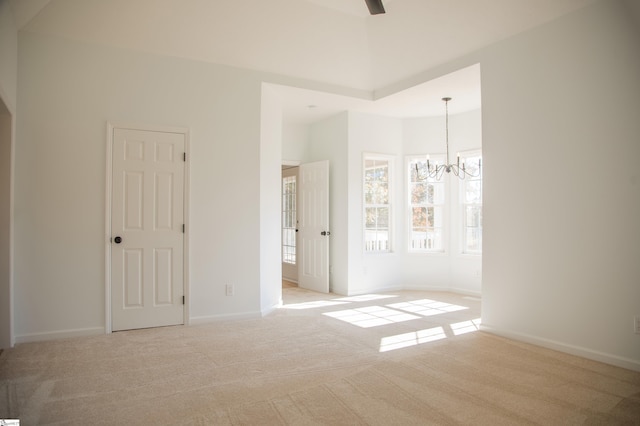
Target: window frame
(390, 159)
(438, 158)
(463, 204)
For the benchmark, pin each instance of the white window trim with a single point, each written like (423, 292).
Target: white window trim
(446, 211)
(391, 160)
(461, 239)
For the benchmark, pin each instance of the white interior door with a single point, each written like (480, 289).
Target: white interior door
(313, 187)
(147, 217)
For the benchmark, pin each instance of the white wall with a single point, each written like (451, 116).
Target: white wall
(377, 135)
(561, 139)
(270, 205)
(328, 141)
(8, 56)
(295, 140)
(68, 91)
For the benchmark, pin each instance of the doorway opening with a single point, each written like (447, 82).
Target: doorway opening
(6, 234)
(290, 251)
(305, 229)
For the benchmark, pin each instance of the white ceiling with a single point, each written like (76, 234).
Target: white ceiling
(301, 106)
(332, 43)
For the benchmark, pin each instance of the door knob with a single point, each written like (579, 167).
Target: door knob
(117, 240)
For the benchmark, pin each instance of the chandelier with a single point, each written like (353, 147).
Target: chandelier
(461, 171)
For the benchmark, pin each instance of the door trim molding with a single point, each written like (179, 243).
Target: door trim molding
(111, 126)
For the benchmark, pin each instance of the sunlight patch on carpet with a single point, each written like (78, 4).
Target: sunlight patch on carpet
(427, 307)
(411, 339)
(465, 327)
(371, 316)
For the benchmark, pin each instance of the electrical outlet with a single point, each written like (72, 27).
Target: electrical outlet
(636, 324)
(229, 289)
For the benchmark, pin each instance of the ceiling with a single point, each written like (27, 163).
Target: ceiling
(302, 106)
(334, 44)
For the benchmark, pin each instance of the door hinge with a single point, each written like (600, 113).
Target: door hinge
(183, 300)
(184, 156)
(183, 228)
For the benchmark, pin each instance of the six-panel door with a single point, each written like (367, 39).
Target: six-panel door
(313, 186)
(147, 215)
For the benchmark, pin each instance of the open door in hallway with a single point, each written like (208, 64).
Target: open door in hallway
(313, 187)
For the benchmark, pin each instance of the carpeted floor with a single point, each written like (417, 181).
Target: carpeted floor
(406, 358)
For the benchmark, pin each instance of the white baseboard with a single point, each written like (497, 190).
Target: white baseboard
(59, 334)
(465, 292)
(388, 289)
(224, 317)
(628, 363)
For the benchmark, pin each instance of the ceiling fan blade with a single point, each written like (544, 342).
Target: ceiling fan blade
(375, 6)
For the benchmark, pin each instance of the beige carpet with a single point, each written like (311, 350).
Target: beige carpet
(410, 358)
(288, 284)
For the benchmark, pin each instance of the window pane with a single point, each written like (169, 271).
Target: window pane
(368, 193)
(426, 239)
(474, 239)
(438, 217)
(431, 192)
(417, 170)
(383, 217)
(434, 238)
(474, 217)
(472, 164)
(377, 217)
(378, 193)
(419, 217)
(418, 193)
(370, 218)
(473, 191)
(438, 193)
(377, 240)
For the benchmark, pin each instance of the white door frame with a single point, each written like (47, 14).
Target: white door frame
(7, 287)
(108, 200)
